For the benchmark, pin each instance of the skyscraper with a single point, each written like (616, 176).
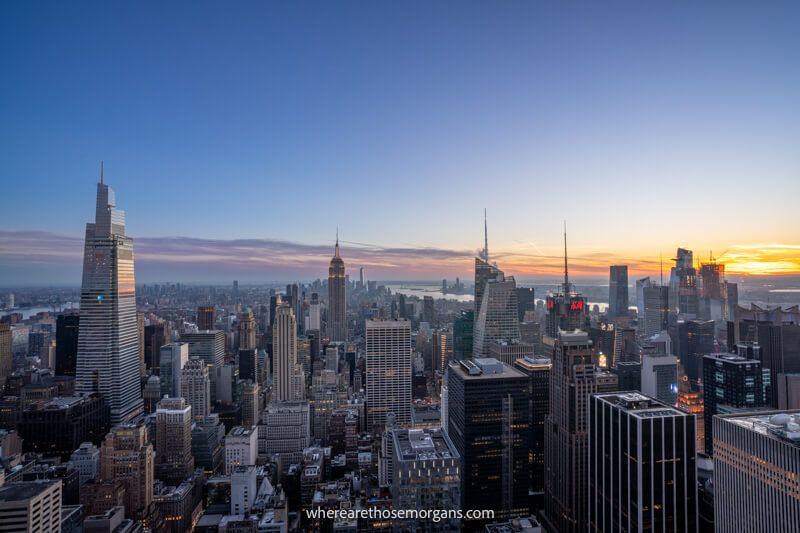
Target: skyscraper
(573, 378)
(173, 357)
(388, 361)
(6, 352)
(205, 317)
(174, 461)
(497, 319)
(683, 290)
(127, 456)
(641, 465)
(655, 307)
(284, 353)
(618, 291)
(488, 421)
(155, 336)
(732, 381)
(66, 344)
(463, 327)
(108, 342)
(538, 371)
(337, 298)
(196, 387)
(247, 330)
(566, 310)
(209, 346)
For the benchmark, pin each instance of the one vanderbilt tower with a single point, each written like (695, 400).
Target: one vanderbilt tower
(108, 358)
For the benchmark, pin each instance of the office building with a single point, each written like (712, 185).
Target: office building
(388, 365)
(284, 432)
(510, 351)
(66, 344)
(526, 301)
(208, 346)
(155, 336)
(463, 325)
(337, 298)
(488, 421)
(655, 310)
(248, 364)
(31, 506)
(497, 318)
(426, 474)
(642, 467)
(250, 401)
(538, 371)
(196, 387)
(171, 361)
(58, 426)
(247, 330)
(205, 317)
(285, 368)
(108, 341)
(659, 378)
(6, 352)
(756, 465)
(208, 437)
(86, 460)
(683, 290)
(733, 381)
(126, 455)
(243, 489)
(174, 461)
(618, 291)
(573, 378)
(241, 448)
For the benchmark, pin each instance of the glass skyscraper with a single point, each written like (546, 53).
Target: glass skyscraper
(108, 342)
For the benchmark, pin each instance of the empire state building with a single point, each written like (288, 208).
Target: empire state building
(108, 350)
(337, 303)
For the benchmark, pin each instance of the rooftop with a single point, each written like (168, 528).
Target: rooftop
(23, 490)
(780, 425)
(422, 444)
(485, 368)
(640, 405)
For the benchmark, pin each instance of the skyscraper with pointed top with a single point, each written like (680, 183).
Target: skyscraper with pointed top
(484, 271)
(567, 310)
(337, 302)
(108, 346)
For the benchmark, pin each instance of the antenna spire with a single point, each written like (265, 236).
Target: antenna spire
(485, 237)
(661, 266)
(101, 172)
(566, 268)
(336, 254)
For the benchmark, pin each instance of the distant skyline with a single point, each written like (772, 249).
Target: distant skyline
(238, 137)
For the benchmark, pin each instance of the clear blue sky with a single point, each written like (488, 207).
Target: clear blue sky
(647, 125)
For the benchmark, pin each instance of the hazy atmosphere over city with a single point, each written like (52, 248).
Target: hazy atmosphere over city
(355, 266)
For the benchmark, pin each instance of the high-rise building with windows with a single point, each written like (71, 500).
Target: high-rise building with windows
(173, 357)
(337, 298)
(208, 346)
(6, 352)
(756, 465)
(285, 368)
(247, 330)
(388, 363)
(618, 291)
(174, 461)
(732, 381)
(196, 387)
(683, 290)
(497, 319)
(655, 310)
(573, 378)
(488, 421)
(642, 471)
(33, 506)
(155, 336)
(463, 327)
(538, 371)
(205, 317)
(126, 455)
(108, 340)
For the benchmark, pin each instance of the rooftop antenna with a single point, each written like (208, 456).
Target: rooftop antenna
(485, 237)
(661, 266)
(337, 242)
(566, 268)
(101, 171)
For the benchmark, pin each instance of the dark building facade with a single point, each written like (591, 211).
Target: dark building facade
(618, 291)
(488, 421)
(642, 460)
(526, 301)
(463, 325)
(67, 344)
(538, 371)
(732, 381)
(155, 336)
(59, 426)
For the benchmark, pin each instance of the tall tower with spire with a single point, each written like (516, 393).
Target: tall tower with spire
(337, 297)
(566, 310)
(108, 345)
(484, 271)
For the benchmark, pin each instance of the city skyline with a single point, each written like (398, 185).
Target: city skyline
(645, 131)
